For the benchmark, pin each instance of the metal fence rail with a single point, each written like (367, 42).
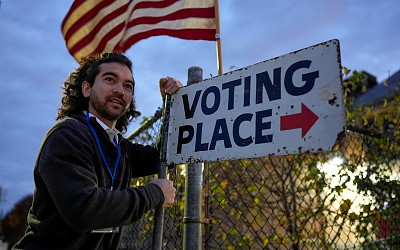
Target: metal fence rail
(307, 201)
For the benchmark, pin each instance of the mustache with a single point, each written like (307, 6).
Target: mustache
(118, 98)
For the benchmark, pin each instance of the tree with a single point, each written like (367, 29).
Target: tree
(380, 123)
(14, 223)
(1, 200)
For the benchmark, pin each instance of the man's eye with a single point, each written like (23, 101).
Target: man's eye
(129, 87)
(109, 79)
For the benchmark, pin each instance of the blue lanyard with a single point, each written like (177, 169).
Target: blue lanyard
(101, 152)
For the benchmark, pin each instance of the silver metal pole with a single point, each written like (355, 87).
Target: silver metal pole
(192, 233)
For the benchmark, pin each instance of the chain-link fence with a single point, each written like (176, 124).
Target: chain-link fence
(344, 199)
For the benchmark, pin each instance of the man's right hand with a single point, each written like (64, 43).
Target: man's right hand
(169, 85)
(168, 190)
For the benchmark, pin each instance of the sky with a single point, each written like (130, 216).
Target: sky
(34, 60)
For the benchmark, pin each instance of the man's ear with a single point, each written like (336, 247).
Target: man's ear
(86, 89)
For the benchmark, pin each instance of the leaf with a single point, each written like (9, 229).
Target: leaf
(349, 115)
(346, 70)
(283, 221)
(224, 184)
(345, 206)
(363, 88)
(385, 83)
(286, 240)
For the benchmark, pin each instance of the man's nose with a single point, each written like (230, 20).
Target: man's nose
(119, 89)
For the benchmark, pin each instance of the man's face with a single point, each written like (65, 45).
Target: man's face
(111, 93)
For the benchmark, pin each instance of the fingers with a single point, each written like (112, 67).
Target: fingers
(168, 190)
(169, 85)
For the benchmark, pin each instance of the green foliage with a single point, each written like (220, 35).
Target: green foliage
(380, 178)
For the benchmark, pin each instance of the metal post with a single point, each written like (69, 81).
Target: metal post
(158, 230)
(192, 232)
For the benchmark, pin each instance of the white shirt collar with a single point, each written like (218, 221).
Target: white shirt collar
(111, 132)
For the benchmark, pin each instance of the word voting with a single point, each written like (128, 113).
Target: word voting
(267, 87)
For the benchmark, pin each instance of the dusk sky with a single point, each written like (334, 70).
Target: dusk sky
(34, 60)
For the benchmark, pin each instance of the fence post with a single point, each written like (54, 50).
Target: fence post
(192, 233)
(158, 230)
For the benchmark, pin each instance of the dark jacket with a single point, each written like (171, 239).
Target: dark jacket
(72, 188)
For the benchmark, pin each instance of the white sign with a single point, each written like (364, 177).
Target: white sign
(287, 105)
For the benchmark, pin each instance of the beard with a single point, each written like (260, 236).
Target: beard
(109, 113)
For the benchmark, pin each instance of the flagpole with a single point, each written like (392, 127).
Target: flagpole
(218, 38)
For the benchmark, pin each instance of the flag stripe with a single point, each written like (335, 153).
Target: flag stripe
(154, 4)
(181, 24)
(79, 15)
(188, 27)
(181, 11)
(145, 9)
(103, 25)
(67, 22)
(180, 14)
(88, 25)
(115, 20)
(188, 34)
(99, 42)
(177, 3)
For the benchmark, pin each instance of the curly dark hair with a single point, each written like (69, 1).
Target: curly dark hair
(73, 102)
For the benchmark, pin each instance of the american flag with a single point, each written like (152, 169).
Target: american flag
(96, 26)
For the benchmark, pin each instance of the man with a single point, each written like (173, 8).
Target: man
(84, 167)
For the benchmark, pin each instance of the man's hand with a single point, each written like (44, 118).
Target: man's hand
(168, 189)
(169, 85)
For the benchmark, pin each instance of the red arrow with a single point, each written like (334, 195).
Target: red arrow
(304, 120)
